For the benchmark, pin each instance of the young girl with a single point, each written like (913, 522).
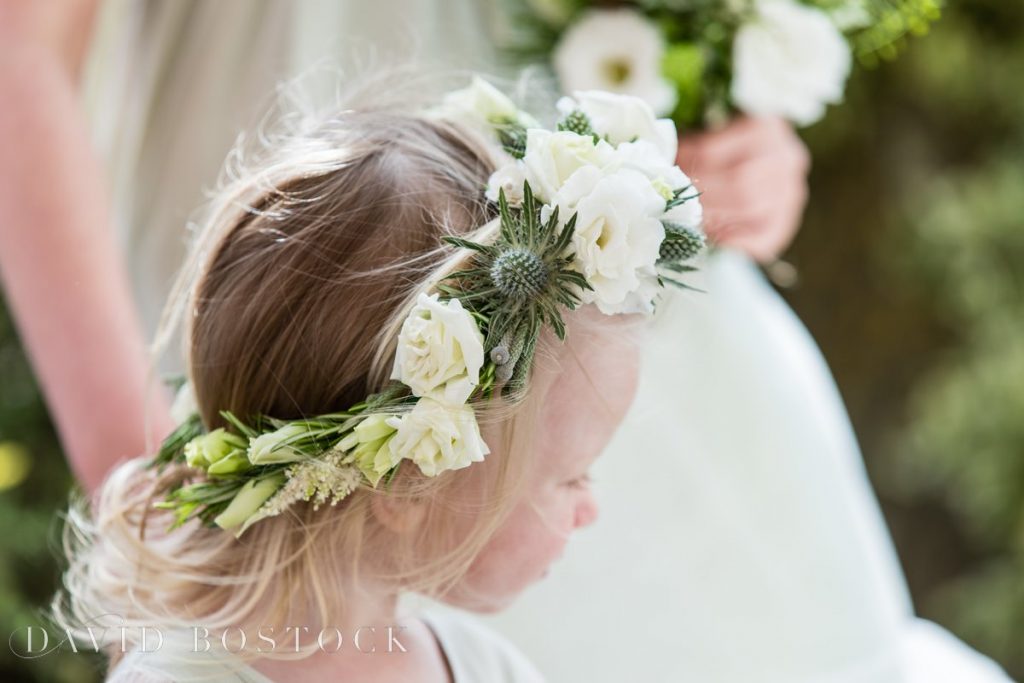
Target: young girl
(409, 335)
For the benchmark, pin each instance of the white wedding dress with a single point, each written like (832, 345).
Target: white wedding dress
(739, 539)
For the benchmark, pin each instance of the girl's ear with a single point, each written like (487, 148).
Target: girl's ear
(397, 514)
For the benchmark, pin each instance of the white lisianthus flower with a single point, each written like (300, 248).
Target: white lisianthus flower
(791, 61)
(621, 118)
(644, 157)
(509, 178)
(440, 351)
(438, 437)
(552, 157)
(481, 106)
(616, 50)
(268, 449)
(618, 236)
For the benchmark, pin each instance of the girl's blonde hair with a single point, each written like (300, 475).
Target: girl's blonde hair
(298, 282)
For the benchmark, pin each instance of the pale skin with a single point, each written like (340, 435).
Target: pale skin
(596, 383)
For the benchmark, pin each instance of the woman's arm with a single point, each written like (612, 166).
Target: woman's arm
(61, 271)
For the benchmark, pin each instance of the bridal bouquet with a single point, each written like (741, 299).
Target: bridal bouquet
(701, 60)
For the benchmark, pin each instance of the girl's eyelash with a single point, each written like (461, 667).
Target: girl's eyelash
(580, 481)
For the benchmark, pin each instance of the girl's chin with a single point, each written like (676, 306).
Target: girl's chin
(490, 604)
(480, 604)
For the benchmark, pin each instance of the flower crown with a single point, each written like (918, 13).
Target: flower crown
(594, 212)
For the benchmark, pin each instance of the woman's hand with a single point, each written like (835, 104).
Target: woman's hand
(753, 178)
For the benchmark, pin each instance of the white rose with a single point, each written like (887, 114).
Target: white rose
(552, 157)
(616, 50)
(480, 106)
(440, 350)
(618, 236)
(621, 118)
(509, 178)
(790, 61)
(438, 437)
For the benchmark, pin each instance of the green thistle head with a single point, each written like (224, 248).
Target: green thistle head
(681, 243)
(519, 274)
(523, 281)
(576, 122)
(513, 137)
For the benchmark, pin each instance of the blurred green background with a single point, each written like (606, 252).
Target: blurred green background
(912, 282)
(911, 265)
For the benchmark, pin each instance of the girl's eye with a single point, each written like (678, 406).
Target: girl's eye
(580, 482)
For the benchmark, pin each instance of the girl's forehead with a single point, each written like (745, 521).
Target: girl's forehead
(589, 393)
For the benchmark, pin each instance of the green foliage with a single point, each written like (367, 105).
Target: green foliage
(910, 268)
(35, 483)
(891, 22)
(576, 122)
(965, 439)
(680, 244)
(521, 282)
(513, 137)
(684, 65)
(699, 39)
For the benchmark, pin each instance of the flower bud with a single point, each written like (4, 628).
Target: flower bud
(207, 449)
(269, 449)
(249, 500)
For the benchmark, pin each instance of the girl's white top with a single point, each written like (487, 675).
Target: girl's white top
(475, 654)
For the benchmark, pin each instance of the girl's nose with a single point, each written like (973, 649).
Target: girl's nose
(586, 512)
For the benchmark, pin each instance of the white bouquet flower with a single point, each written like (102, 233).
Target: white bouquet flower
(791, 61)
(618, 51)
(700, 61)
